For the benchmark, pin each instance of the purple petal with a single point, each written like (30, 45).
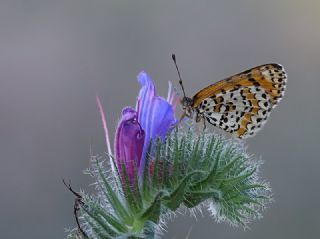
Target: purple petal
(129, 143)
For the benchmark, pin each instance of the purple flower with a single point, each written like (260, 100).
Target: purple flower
(154, 117)
(129, 143)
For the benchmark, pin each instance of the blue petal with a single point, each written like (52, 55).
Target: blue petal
(155, 114)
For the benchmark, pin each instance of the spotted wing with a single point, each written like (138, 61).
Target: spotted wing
(241, 104)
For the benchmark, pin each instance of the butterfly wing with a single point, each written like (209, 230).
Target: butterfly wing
(241, 104)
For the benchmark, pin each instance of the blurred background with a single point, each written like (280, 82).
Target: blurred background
(55, 56)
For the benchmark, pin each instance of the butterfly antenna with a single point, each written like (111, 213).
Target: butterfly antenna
(180, 80)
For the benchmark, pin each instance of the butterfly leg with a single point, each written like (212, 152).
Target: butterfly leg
(180, 120)
(200, 117)
(204, 123)
(184, 114)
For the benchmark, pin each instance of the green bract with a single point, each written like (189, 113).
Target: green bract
(186, 171)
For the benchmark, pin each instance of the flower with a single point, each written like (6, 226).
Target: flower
(153, 118)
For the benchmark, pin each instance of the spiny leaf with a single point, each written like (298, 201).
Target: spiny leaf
(113, 198)
(174, 200)
(156, 166)
(195, 154)
(146, 182)
(97, 230)
(194, 198)
(153, 211)
(129, 191)
(237, 179)
(96, 217)
(113, 221)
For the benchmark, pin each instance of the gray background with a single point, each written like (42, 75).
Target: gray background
(55, 56)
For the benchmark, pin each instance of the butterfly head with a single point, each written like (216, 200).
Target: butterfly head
(187, 103)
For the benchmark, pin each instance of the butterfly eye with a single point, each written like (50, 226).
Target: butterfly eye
(187, 102)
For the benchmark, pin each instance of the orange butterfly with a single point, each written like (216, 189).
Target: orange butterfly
(240, 104)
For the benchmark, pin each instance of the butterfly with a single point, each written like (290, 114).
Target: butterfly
(240, 104)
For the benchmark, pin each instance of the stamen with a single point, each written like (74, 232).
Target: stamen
(106, 132)
(169, 98)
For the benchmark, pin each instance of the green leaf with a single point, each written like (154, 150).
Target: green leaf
(130, 191)
(152, 213)
(146, 182)
(113, 198)
(194, 198)
(175, 198)
(97, 230)
(100, 223)
(176, 156)
(237, 179)
(156, 167)
(195, 154)
(113, 221)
